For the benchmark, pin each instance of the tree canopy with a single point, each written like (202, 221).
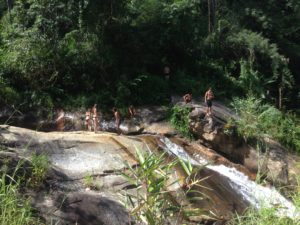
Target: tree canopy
(113, 52)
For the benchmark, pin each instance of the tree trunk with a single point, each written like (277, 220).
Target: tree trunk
(209, 22)
(9, 4)
(280, 97)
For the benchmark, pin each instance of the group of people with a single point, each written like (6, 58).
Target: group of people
(92, 118)
(208, 98)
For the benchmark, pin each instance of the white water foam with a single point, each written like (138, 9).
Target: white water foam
(257, 195)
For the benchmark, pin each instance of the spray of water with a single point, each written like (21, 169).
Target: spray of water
(257, 195)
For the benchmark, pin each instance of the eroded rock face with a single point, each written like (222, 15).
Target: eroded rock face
(210, 131)
(276, 166)
(213, 133)
(65, 198)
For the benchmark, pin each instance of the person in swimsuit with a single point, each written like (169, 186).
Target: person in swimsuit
(117, 116)
(209, 95)
(95, 118)
(131, 111)
(87, 123)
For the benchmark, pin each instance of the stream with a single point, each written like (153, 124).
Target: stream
(78, 153)
(252, 193)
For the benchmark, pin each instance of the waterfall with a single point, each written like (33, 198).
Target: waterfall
(257, 195)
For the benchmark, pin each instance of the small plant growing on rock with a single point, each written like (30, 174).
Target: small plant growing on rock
(39, 165)
(90, 183)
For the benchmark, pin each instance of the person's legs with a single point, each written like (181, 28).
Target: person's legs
(95, 124)
(209, 105)
(90, 124)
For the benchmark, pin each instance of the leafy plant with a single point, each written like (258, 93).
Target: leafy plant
(154, 206)
(14, 209)
(90, 183)
(258, 120)
(40, 166)
(180, 120)
(152, 203)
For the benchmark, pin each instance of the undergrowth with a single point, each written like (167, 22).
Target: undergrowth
(179, 118)
(259, 120)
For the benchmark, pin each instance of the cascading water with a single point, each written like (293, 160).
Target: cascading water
(257, 195)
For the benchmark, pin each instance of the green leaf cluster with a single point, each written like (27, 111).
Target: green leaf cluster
(258, 120)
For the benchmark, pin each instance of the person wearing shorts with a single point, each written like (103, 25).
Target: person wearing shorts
(209, 95)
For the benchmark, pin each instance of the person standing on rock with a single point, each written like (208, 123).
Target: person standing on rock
(117, 116)
(87, 123)
(131, 111)
(208, 97)
(95, 118)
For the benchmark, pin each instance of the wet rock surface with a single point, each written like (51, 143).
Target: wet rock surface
(214, 132)
(65, 197)
(100, 156)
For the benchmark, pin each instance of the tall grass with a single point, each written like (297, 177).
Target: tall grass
(264, 216)
(267, 216)
(14, 210)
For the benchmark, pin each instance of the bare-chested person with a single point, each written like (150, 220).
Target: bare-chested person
(187, 98)
(131, 111)
(208, 97)
(60, 121)
(88, 122)
(94, 115)
(117, 116)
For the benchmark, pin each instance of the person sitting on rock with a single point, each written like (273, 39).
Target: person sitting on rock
(131, 111)
(117, 116)
(187, 98)
(87, 122)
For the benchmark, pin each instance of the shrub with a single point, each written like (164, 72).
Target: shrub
(258, 120)
(179, 118)
(153, 203)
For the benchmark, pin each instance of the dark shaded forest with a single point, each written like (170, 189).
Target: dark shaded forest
(71, 53)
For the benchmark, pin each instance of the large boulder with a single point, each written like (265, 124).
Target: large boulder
(77, 156)
(215, 132)
(210, 130)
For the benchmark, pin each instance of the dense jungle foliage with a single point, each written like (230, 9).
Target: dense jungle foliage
(74, 53)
